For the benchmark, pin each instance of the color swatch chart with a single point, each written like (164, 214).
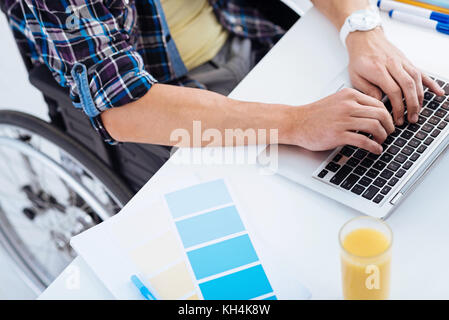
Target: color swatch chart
(203, 250)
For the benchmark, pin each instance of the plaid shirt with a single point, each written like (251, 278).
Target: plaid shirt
(124, 46)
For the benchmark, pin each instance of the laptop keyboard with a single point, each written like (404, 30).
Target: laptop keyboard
(372, 176)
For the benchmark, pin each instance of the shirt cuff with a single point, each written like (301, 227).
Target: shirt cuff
(113, 82)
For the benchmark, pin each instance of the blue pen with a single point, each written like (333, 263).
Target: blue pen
(388, 5)
(146, 293)
(419, 21)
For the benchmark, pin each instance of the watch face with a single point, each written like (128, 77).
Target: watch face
(364, 21)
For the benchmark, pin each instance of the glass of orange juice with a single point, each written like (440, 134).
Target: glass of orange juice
(365, 259)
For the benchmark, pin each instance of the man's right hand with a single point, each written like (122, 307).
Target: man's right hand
(335, 120)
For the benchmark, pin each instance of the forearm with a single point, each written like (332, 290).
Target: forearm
(338, 10)
(164, 109)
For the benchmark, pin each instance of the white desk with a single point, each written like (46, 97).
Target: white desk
(307, 221)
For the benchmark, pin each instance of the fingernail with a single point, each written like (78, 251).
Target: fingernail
(401, 121)
(414, 117)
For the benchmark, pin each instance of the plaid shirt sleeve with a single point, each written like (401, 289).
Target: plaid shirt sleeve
(73, 32)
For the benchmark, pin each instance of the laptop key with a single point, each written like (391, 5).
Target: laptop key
(428, 95)
(341, 175)
(378, 198)
(396, 132)
(394, 166)
(406, 135)
(393, 150)
(385, 190)
(367, 162)
(337, 158)
(358, 189)
(413, 127)
(386, 157)
(353, 162)
(441, 113)
(421, 135)
(323, 173)
(380, 182)
(445, 105)
(370, 192)
(372, 173)
(407, 150)
(427, 127)
(422, 149)
(360, 170)
(400, 173)
(400, 142)
(360, 154)
(426, 113)
(435, 133)
(365, 181)
(421, 120)
(379, 165)
(428, 141)
(407, 165)
(350, 181)
(439, 99)
(347, 151)
(433, 105)
(387, 174)
(434, 120)
(400, 158)
(393, 181)
(414, 156)
(414, 143)
(332, 166)
(373, 156)
(442, 125)
(389, 140)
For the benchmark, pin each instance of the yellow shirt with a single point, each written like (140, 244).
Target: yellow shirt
(195, 30)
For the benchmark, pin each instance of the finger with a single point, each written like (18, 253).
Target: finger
(380, 114)
(394, 93)
(432, 85)
(409, 91)
(417, 77)
(361, 141)
(371, 126)
(366, 87)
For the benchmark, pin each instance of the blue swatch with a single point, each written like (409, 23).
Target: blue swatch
(209, 226)
(222, 256)
(243, 285)
(271, 298)
(198, 198)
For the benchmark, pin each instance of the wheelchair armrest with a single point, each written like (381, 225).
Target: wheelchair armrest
(41, 78)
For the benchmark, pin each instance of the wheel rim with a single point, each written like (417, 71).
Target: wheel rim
(46, 197)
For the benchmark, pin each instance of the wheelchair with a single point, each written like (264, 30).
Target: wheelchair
(59, 178)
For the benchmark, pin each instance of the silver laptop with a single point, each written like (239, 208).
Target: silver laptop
(372, 184)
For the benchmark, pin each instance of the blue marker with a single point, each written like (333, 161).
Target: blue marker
(388, 5)
(144, 291)
(419, 21)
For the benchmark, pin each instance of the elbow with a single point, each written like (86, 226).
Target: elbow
(113, 124)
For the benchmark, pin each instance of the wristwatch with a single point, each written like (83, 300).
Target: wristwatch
(362, 20)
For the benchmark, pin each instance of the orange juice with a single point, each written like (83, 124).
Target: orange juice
(366, 260)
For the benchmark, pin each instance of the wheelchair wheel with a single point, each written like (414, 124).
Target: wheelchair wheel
(51, 188)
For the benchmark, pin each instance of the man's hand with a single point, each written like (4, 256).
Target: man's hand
(376, 65)
(333, 121)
